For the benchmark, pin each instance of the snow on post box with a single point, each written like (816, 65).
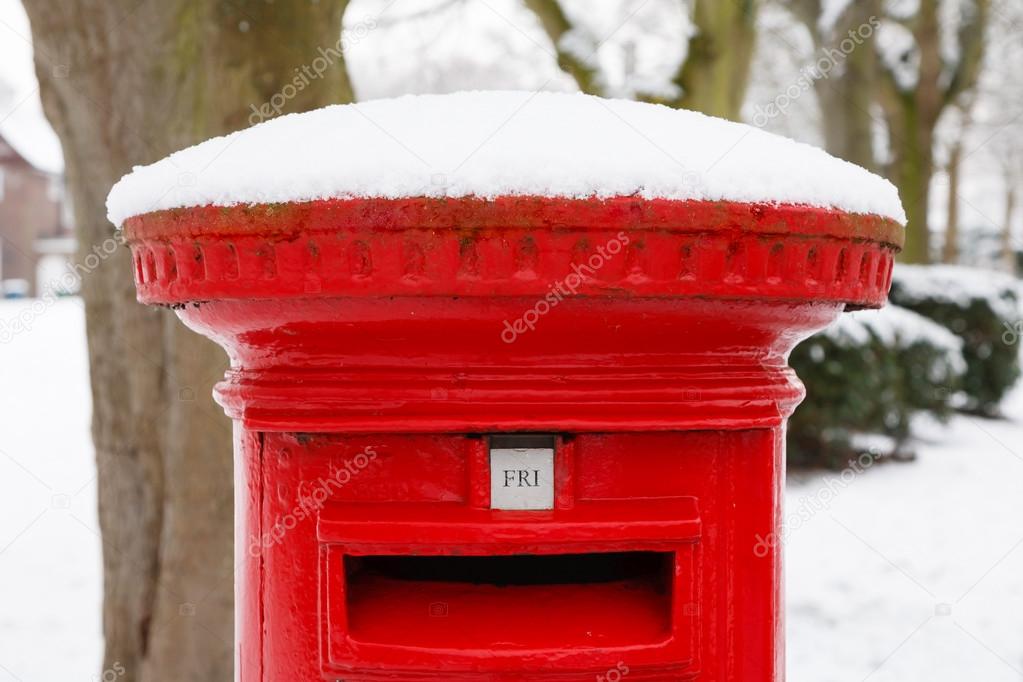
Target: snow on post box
(509, 378)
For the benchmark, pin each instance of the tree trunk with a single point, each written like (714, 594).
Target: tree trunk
(846, 94)
(912, 171)
(576, 57)
(847, 131)
(913, 112)
(715, 74)
(125, 83)
(914, 165)
(1008, 253)
(950, 251)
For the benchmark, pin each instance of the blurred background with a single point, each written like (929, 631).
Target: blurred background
(904, 520)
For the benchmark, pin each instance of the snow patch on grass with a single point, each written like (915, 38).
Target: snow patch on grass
(960, 285)
(898, 328)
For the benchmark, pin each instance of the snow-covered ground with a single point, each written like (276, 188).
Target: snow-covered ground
(50, 569)
(913, 572)
(904, 572)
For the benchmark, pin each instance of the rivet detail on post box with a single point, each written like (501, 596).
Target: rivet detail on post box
(522, 478)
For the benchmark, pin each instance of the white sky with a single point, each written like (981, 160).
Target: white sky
(21, 115)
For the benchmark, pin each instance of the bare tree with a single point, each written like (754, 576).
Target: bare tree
(577, 61)
(1012, 172)
(953, 169)
(1002, 126)
(125, 83)
(847, 91)
(916, 86)
(713, 76)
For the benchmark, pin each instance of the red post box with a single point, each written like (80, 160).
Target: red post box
(509, 439)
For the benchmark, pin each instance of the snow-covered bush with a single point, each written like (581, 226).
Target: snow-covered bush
(866, 376)
(980, 307)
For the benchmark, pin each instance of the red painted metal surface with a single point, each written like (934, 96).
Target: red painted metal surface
(376, 345)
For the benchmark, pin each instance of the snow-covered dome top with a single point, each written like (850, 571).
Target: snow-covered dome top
(488, 144)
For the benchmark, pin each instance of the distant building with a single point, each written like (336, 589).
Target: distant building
(36, 234)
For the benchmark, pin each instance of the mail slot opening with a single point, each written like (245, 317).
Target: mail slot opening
(512, 602)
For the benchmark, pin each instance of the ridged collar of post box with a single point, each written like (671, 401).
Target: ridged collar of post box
(512, 246)
(421, 315)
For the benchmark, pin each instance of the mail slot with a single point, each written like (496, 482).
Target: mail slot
(607, 574)
(424, 495)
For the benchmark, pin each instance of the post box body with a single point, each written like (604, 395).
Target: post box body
(468, 448)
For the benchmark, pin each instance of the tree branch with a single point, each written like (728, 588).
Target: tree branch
(808, 12)
(971, 37)
(714, 75)
(557, 26)
(894, 99)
